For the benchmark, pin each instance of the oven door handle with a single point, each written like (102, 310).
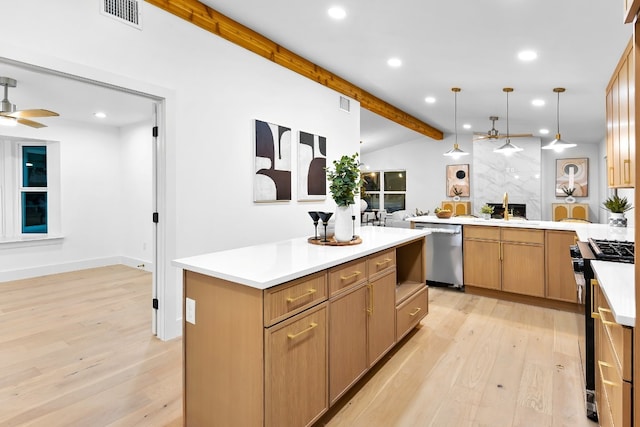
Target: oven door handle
(594, 314)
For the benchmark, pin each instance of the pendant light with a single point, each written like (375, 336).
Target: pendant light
(455, 152)
(508, 148)
(558, 144)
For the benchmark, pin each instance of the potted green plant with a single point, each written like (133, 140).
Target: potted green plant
(486, 211)
(344, 184)
(617, 206)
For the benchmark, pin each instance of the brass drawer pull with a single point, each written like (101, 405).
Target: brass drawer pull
(602, 317)
(417, 310)
(351, 276)
(594, 315)
(309, 292)
(294, 336)
(381, 263)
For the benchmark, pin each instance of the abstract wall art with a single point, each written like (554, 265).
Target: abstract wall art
(312, 159)
(272, 179)
(572, 173)
(458, 181)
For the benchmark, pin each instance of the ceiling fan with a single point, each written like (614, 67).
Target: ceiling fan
(8, 110)
(493, 133)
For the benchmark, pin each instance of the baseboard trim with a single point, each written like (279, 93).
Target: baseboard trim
(44, 270)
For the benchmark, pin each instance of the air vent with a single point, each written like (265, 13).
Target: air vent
(127, 11)
(345, 104)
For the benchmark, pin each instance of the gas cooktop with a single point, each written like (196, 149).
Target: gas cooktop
(612, 250)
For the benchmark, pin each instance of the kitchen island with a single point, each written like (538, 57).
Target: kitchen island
(275, 334)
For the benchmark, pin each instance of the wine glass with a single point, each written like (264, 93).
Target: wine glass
(324, 216)
(315, 217)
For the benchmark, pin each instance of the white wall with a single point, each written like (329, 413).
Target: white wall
(426, 180)
(213, 91)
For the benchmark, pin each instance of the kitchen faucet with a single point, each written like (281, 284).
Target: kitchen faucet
(505, 205)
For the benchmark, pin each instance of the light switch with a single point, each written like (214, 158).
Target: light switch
(190, 309)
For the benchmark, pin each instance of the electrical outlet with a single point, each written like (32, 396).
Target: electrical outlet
(190, 310)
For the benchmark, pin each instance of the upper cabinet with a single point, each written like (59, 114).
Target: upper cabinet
(631, 9)
(621, 129)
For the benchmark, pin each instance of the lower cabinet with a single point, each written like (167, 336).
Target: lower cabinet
(458, 208)
(561, 281)
(560, 211)
(614, 358)
(282, 356)
(296, 364)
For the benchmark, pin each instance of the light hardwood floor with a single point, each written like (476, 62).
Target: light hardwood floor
(76, 350)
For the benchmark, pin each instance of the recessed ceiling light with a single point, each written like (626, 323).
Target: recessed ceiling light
(336, 12)
(466, 126)
(100, 115)
(544, 131)
(527, 55)
(429, 100)
(394, 62)
(538, 102)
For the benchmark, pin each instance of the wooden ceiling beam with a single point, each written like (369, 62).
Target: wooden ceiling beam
(225, 27)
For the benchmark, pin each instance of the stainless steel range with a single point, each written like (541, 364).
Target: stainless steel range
(582, 254)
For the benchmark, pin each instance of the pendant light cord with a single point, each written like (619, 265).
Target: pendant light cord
(455, 114)
(558, 113)
(507, 116)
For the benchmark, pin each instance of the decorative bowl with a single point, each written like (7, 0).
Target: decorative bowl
(444, 215)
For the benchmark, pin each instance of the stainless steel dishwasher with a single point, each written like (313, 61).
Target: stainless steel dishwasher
(444, 254)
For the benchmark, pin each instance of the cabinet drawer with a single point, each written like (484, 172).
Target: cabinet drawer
(411, 312)
(287, 299)
(523, 236)
(347, 275)
(382, 261)
(618, 338)
(481, 232)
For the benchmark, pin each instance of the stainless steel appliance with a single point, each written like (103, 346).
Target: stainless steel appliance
(582, 254)
(444, 254)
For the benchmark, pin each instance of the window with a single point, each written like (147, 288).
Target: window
(29, 188)
(385, 190)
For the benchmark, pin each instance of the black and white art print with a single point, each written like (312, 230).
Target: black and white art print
(312, 159)
(272, 179)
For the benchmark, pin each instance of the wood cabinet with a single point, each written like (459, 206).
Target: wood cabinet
(560, 211)
(631, 8)
(561, 281)
(621, 119)
(458, 208)
(506, 259)
(283, 355)
(614, 357)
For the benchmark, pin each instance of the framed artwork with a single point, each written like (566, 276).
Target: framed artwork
(572, 173)
(458, 181)
(272, 178)
(312, 159)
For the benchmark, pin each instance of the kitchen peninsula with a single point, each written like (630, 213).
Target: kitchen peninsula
(275, 334)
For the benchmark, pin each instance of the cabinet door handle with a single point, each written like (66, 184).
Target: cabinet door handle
(601, 316)
(350, 276)
(602, 364)
(294, 336)
(417, 310)
(381, 263)
(500, 251)
(594, 315)
(308, 293)
(370, 309)
(611, 176)
(627, 171)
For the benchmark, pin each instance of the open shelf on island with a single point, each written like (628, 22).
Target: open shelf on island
(406, 289)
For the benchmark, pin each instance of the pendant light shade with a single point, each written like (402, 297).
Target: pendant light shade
(507, 148)
(455, 152)
(558, 144)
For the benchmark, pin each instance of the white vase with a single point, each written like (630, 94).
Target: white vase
(570, 199)
(344, 224)
(363, 205)
(617, 219)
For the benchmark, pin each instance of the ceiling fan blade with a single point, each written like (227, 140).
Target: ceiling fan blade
(31, 123)
(20, 114)
(520, 135)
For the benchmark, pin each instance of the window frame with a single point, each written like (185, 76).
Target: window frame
(382, 192)
(11, 189)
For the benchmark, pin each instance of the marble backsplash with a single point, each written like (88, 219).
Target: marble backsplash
(517, 174)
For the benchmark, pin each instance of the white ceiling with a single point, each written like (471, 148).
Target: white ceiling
(466, 43)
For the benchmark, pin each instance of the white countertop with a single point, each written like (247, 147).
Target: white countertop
(270, 264)
(617, 281)
(583, 230)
